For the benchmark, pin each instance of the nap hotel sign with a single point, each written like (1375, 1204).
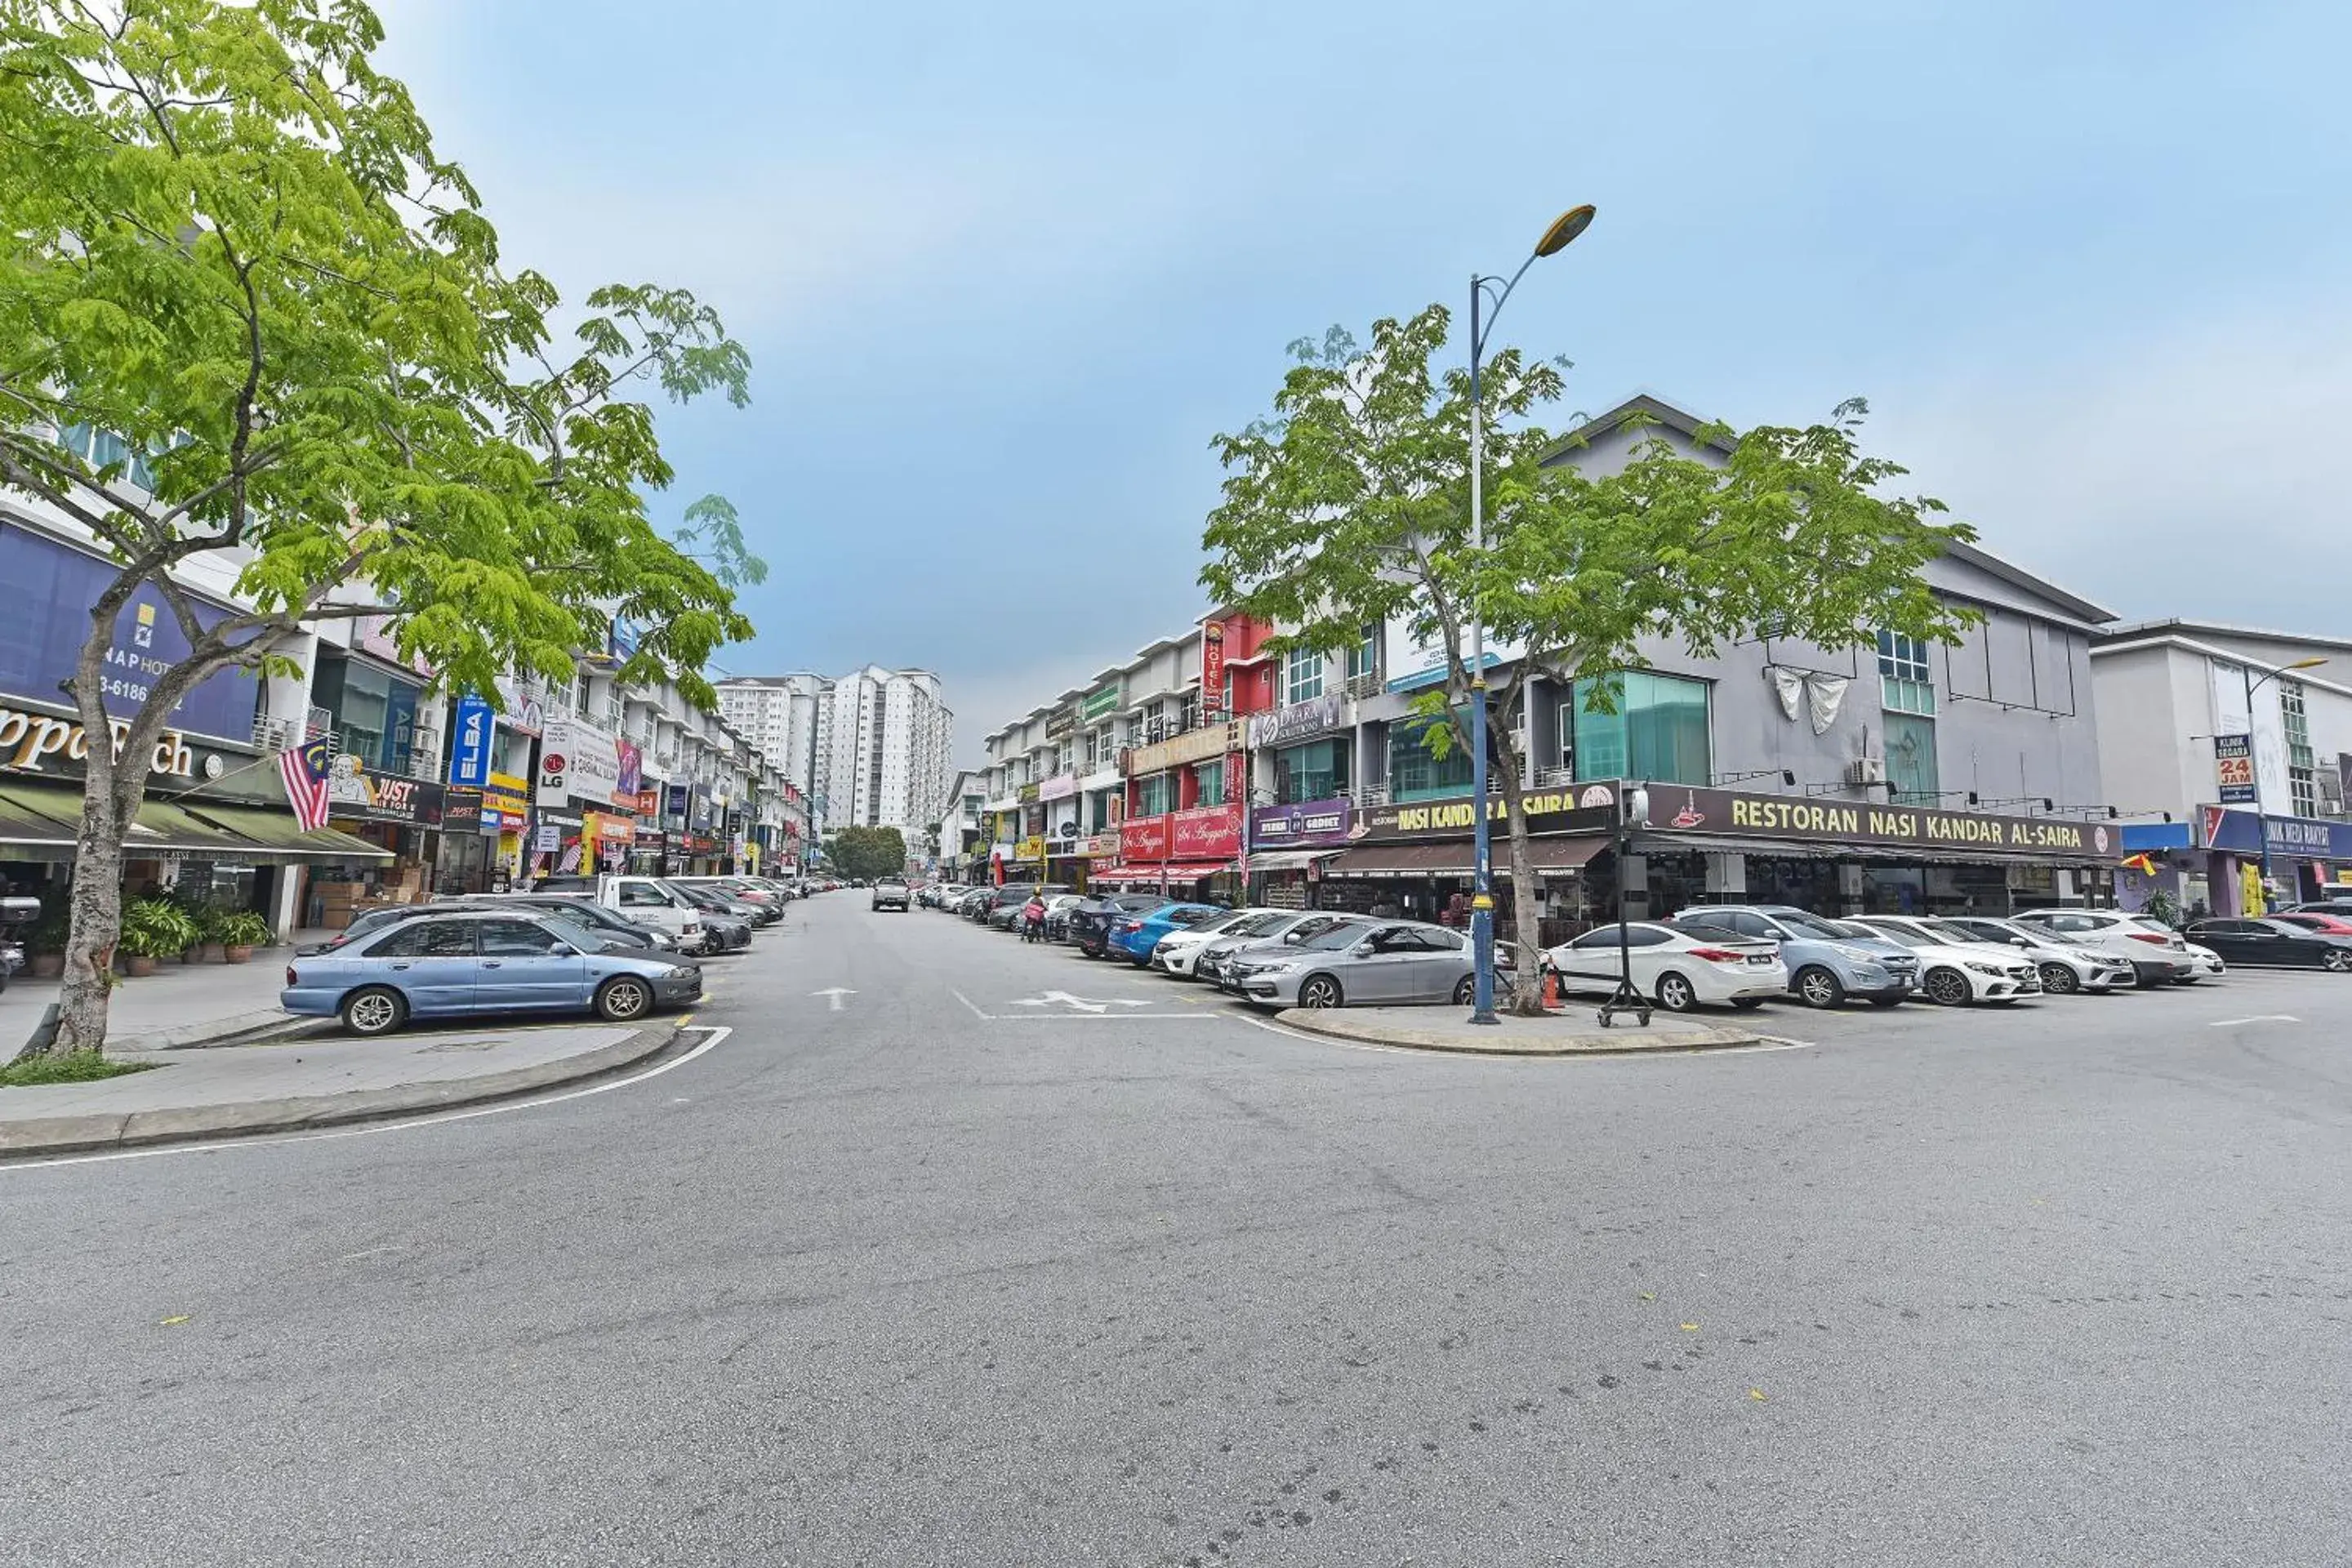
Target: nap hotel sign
(1677, 808)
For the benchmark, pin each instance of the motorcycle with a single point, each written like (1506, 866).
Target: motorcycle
(14, 912)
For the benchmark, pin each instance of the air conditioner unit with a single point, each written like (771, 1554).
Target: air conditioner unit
(1866, 771)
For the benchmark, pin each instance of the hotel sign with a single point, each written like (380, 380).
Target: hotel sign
(1201, 745)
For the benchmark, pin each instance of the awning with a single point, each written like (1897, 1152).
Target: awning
(25, 825)
(1288, 860)
(1174, 871)
(277, 834)
(161, 828)
(1454, 858)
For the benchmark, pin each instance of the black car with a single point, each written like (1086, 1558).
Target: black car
(2272, 944)
(1089, 920)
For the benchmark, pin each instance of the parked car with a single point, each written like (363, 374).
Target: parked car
(1091, 918)
(648, 900)
(2155, 950)
(1290, 927)
(726, 925)
(1955, 968)
(2065, 969)
(1058, 915)
(2311, 921)
(1680, 967)
(1361, 963)
(2208, 962)
(1827, 963)
(14, 912)
(1005, 904)
(2273, 944)
(890, 894)
(371, 922)
(2337, 904)
(767, 907)
(1176, 953)
(1134, 937)
(610, 924)
(503, 961)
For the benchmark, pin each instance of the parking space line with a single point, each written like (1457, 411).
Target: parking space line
(2257, 1019)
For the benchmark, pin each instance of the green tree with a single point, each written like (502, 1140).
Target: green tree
(865, 853)
(1350, 505)
(226, 238)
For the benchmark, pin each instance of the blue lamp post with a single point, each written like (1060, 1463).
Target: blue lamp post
(1564, 228)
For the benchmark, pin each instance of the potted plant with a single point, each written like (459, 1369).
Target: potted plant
(152, 928)
(240, 932)
(47, 938)
(210, 943)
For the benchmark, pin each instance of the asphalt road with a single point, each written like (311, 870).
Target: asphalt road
(966, 1273)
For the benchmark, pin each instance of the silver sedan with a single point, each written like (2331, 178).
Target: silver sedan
(1358, 964)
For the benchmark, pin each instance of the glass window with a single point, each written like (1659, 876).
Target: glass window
(1302, 675)
(1414, 774)
(517, 939)
(427, 939)
(1364, 657)
(1905, 681)
(636, 895)
(1155, 794)
(2302, 779)
(1911, 758)
(1315, 771)
(1659, 730)
(1209, 780)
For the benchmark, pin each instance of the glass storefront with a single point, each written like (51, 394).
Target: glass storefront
(1659, 730)
(1315, 771)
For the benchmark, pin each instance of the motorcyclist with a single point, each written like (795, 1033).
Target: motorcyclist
(1032, 918)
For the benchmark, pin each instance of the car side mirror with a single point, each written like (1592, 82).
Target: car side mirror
(2019, 942)
(1364, 949)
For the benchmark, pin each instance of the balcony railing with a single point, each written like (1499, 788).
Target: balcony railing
(1366, 685)
(1553, 778)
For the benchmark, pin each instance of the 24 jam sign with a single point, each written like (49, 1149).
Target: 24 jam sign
(2233, 769)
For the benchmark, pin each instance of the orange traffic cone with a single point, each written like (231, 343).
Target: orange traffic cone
(1552, 989)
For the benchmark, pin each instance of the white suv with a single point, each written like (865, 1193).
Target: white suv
(2157, 953)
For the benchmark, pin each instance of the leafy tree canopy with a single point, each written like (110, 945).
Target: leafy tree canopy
(865, 853)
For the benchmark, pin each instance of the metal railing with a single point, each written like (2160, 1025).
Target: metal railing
(1552, 778)
(1366, 685)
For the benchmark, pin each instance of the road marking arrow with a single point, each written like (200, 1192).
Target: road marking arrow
(835, 993)
(1082, 1004)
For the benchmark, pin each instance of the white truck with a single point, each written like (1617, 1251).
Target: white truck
(649, 901)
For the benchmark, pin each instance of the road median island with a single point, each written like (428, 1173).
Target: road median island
(235, 1092)
(1561, 1033)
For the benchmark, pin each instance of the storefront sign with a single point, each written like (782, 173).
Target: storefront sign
(2233, 769)
(470, 734)
(355, 795)
(51, 587)
(1101, 847)
(34, 743)
(1579, 808)
(1026, 794)
(461, 809)
(2294, 837)
(506, 803)
(1679, 808)
(1061, 787)
(576, 758)
(1029, 848)
(648, 802)
(1143, 840)
(1194, 746)
(1205, 833)
(1307, 824)
(674, 801)
(549, 839)
(1099, 704)
(1060, 722)
(1298, 722)
(611, 829)
(1212, 665)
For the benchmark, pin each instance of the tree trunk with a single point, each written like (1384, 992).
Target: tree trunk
(1526, 994)
(97, 922)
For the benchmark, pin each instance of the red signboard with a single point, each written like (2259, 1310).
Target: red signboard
(1143, 839)
(1212, 667)
(1207, 832)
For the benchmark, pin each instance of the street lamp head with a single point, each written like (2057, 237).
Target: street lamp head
(2306, 663)
(1564, 228)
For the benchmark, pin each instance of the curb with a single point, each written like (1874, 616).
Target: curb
(83, 1134)
(242, 1029)
(1338, 1026)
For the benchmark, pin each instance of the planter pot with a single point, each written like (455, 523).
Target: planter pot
(49, 965)
(207, 953)
(138, 965)
(236, 954)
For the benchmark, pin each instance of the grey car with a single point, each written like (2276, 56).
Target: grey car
(1265, 931)
(1370, 963)
(1827, 961)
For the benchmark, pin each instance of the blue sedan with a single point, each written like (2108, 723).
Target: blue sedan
(443, 966)
(1133, 936)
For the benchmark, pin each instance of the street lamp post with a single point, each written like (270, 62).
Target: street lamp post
(1563, 229)
(2262, 826)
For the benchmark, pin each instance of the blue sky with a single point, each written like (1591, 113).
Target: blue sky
(1003, 271)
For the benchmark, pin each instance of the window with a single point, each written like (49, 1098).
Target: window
(1155, 794)
(1209, 781)
(638, 894)
(1635, 936)
(1315, 771)
(427, 939)
(1659, 730)
(517, 939)
(1905, 683)
(1188, 712)
(1414, 773)
(2302, 781)
(1911, 758)
(1364, 657)
(1302, 675)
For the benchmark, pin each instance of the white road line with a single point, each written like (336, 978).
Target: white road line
(834, 993)
(715, 1033)
(1765, 1043)
(2257, 1019)
(984, 1017)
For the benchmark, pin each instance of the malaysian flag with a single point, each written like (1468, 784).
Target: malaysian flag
(304, 769)
(570, 864)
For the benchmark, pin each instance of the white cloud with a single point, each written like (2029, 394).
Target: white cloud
(2196, 473)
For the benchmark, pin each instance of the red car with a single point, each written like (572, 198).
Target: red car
(2325, 925)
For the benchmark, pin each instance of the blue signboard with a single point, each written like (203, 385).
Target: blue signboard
(469, 743)
(51, 587)
(2289, 837)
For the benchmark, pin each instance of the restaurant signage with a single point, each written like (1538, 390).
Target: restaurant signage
(1308, 824)
(1205, 833)
(1143, 839)
(1194, 746)
(1680, 808)
(355, 795)
(31, 742)
(1296, 722)
(1576, 808)
(2233, 769)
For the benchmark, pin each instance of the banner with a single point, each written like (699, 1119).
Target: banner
(1308, 824)
(576, 758)
(2233, 769)
(1212, 667)
(469, 743)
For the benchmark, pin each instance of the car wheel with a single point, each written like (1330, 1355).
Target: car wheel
(1466, 990)
(2337, 961)
(374, 1010)
(1817, 987)
(623, 997)
(1321, 991)
(1946, 987)
(1674, 993)
(2060, 981)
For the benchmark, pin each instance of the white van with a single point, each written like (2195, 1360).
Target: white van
(649, 901)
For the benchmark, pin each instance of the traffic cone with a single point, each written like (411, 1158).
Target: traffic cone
(1552, 989)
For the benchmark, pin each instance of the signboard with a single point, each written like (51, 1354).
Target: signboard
(1577, 808)
(51, 587)
(1205, 833)
(674, 801)
(1061, 787)
(1307, 824)
(549, 839)
(1029, 848)
(1101, 847)
(355, 795)
(1298, 722)
(1194, 746)
(2233, 769)
(506, 803)
(630, 762)
(575, 757)
(2292, 837)
(1212, 667)
(1099, 704)
(35, 742)
(1680, 808)
(1060, 722)
(1143, 839)
(1026, 794)
(469, 741)
(648, 802)
(461, 809)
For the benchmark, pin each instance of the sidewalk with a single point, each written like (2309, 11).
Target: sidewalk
(293, 1084)
(1571, 1031)
(180, 1003)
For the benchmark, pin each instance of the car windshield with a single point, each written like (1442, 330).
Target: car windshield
(1903, 934)
(1812, 926)
(1234, 924)
(1946, 931)
(1337, 937)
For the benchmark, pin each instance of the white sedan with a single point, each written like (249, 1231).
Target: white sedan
(1679, 968)
(1176, 953)
(1955, 967)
